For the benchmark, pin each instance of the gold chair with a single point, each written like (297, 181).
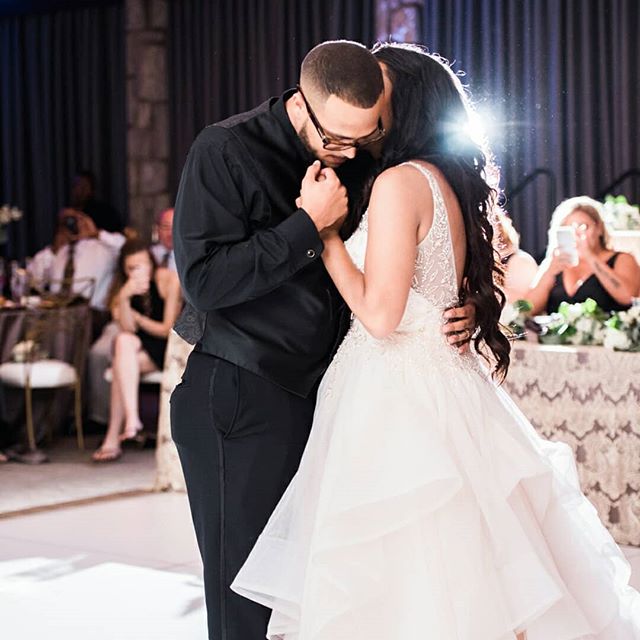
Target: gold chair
(55, 344)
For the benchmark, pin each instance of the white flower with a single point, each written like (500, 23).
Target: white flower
(599, 334)
(574, 312)
(584, 325)
(16, 214)
(509, 314)
(632, 314)
(22, 349)
(615, 339)
(576, 338)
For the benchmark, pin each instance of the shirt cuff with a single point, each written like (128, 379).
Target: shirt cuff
(303, 237)
(111, 239)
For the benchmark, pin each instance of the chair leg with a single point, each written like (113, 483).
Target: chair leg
(78, 415)
(29, 416)
(49, 428)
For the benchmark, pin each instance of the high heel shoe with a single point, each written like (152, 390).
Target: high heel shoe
(138, 438)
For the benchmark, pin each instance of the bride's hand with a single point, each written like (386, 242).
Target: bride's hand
(460, 323)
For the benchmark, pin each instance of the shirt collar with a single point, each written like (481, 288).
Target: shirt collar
(279, 110)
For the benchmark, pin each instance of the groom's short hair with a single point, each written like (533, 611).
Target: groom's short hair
(345, 69)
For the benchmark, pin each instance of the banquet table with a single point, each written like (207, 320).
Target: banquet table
(64, 334)
(589, 398)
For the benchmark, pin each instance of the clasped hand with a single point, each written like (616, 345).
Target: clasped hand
(324, 198)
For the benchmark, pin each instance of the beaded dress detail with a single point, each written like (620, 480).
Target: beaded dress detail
(425, 505)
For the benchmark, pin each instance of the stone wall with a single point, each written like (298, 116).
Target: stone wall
(147, 111)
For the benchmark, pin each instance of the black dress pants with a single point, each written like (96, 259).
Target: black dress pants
(240, 439)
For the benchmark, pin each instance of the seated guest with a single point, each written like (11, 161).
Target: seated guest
(611, 278)
(519, 267)
(162, 250)
(145, 302)
(79, 252)
(99, 359)
(83, 189)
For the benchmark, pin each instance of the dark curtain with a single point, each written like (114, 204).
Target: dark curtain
(227, 57)
(557, 81)
(62, 108)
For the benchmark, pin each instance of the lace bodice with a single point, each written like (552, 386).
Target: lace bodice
(434, 278)
(417, 344)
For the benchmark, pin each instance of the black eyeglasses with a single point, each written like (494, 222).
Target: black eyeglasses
(334, 145)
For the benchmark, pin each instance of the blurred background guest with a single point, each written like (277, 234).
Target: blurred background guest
(101, 352)
(519, 267)
(83, 190)
(79, 252)
(145, 302)
(162, 250)
(589, 268)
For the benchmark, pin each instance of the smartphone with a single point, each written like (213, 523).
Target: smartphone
(567, 244)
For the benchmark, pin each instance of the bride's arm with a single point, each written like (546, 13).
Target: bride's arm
(378, 296)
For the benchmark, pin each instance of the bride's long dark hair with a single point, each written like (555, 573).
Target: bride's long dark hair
(431, 123)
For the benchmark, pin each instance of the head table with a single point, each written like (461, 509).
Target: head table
(589, 398)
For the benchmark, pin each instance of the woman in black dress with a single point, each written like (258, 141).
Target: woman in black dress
(145, 302)
(611, 278)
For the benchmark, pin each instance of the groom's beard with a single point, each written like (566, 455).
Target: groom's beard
(328, 160)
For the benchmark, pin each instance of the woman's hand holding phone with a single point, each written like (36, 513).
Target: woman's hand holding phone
(566, 252)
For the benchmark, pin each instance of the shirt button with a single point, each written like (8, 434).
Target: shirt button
(311, 253)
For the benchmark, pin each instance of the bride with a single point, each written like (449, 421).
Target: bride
(425, 505)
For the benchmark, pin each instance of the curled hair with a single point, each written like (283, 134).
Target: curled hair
(430, 123)
(129, 248)
(345, 69)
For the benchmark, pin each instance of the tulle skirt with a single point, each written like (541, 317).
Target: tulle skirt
(427, 507)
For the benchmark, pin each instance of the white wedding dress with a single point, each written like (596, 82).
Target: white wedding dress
(425, 506)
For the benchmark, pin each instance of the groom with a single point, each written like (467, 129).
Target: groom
(264, 315)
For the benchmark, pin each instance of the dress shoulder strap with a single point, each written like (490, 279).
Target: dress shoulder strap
(431, 179)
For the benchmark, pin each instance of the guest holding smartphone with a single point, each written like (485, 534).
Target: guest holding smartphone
(145, 302)
(581, 264)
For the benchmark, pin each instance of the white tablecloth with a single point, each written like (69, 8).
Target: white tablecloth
(588, 397)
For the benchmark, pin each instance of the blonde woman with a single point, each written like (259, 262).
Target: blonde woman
(611, 278)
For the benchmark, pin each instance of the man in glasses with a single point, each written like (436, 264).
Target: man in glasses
(263, 313)
(336, 148)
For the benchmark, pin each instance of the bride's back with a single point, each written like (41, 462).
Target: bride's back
(441, 240)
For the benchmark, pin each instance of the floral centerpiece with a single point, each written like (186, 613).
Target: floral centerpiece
(622, 330)
(619, 215)
(581, 323)
(23, 351)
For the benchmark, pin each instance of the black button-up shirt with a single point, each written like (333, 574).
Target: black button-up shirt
(257, 291)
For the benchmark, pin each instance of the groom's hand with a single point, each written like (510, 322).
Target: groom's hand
(323, 196)
(460, 323)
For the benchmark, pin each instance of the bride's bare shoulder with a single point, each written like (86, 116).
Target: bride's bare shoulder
(402, 181)
(400, 190)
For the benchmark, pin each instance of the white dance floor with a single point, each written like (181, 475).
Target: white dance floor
(125, 569)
